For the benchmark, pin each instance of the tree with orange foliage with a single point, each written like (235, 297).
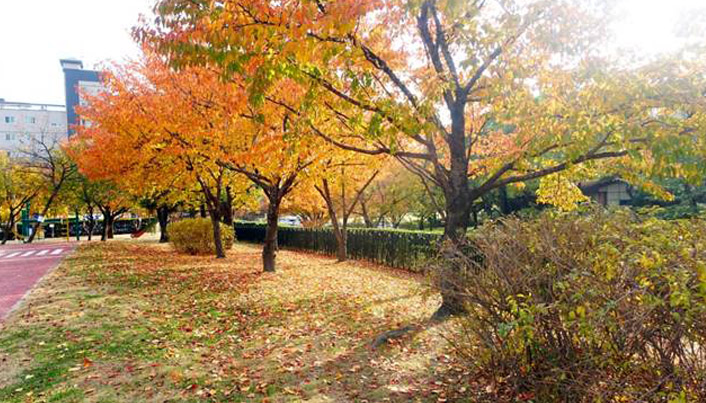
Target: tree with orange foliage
(306, 204)
(156, 131)
(469, 95)
(273, 151)
(191, 121)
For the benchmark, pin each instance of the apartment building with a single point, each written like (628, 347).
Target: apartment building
(79, 83)
(22, 125)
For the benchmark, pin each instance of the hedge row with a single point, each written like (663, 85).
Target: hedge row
(394, 248)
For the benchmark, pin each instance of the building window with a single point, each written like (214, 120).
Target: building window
(30, 120)
(10, 136)
(9, 119)
(54, 124)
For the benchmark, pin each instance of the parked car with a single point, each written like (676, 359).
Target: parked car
(292, 221)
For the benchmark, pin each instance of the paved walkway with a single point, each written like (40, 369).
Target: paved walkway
(22, 266)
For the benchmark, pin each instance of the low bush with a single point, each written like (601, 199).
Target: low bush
(195, 236)
(587, 307)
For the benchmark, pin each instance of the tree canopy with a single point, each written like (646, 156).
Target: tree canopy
(469, 95)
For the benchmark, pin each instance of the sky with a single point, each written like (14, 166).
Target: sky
(651, 25)
(37, 33)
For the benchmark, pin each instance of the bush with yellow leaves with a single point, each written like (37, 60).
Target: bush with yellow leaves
(592, 306)
(195, 236)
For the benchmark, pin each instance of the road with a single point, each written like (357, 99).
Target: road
(22, 266)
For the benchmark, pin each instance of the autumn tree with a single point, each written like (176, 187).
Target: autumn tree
(191, 121)
(163, 203)
(392, 197)
(272, 153)
(165, 132)
(92, 197)
(86, 192)
(158, 188)
(259, 138)
(54, 169)
(112, 202)
(307, 205)
(18, 186)
(110, 149)
(343, 180)
(469, 95)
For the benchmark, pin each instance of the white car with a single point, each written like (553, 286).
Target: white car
(291, 221)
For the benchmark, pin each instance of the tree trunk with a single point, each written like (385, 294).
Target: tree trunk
(340, 230)
(163, 218)
(450, 282)
(458, 208)
(48, 204)
(33, 233)
(342, 245)
(35, 229)
(7, 230)
(269, 251)
(396, 222)
(217, 240)
(366, 215)
(108, 221)
(91, 227)
(107, 224)
(213, 204)
(202, 210)
(110, 227)
(227, 212)
(91, 222)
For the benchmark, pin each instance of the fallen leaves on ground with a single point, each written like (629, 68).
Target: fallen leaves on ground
(124, 321)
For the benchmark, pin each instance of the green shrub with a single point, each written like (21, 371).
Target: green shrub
(587, 307)
(195, 236)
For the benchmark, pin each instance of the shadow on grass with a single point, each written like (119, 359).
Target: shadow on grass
(156, 326)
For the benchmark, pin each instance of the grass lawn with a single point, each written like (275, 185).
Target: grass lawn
(135, 322)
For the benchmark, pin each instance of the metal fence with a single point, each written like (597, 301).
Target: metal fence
(394, 248)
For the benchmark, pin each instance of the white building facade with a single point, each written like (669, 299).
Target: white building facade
(22, 125)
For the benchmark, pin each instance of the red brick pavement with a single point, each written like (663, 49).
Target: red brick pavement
(22, 266)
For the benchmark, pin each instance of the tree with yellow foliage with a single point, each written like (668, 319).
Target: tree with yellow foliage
(469, 95)
(344, 179)
(18, 186)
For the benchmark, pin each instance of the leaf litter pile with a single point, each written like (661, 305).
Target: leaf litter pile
(137, 322)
